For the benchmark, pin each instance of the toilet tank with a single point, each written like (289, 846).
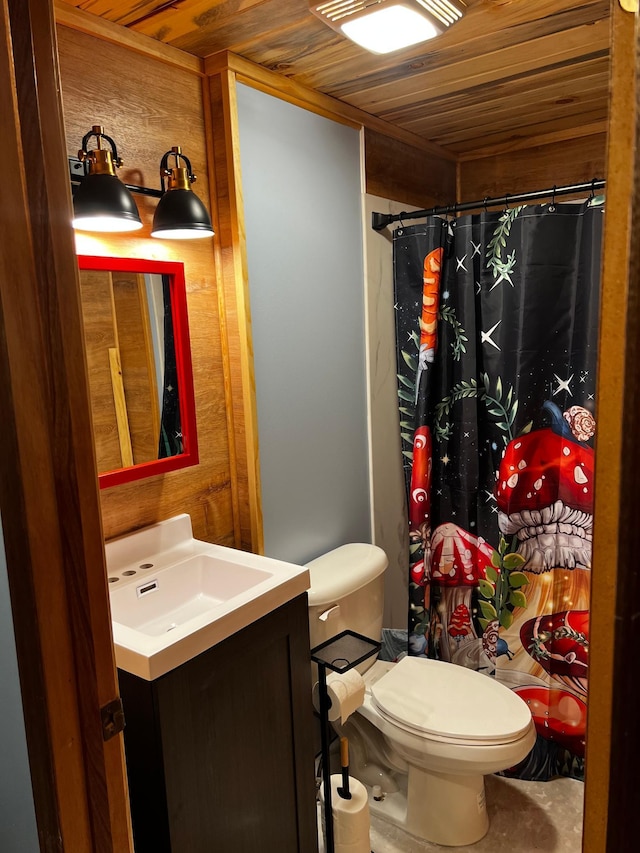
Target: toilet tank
(347, 593)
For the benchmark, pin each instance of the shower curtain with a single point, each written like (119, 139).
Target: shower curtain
(497, 324)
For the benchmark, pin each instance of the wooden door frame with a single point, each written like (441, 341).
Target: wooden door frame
(48, 486)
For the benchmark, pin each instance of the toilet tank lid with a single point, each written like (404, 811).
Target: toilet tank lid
(343, 571)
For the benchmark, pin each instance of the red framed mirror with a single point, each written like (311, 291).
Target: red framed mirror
(139, 365)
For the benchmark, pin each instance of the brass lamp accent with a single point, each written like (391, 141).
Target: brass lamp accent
(180, 214)
(102, 202)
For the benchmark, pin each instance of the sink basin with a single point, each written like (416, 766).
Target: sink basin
(173, 596)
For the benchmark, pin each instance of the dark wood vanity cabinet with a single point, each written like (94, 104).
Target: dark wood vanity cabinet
(219, 751)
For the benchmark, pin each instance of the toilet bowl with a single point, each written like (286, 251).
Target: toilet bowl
(428, 731)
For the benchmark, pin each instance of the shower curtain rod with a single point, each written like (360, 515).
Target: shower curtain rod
(381, 220)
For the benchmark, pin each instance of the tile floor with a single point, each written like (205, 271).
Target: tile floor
(525, 817)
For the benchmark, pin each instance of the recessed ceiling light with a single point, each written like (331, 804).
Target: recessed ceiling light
(382, 26)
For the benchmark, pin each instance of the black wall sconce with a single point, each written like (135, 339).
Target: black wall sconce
(102, 202)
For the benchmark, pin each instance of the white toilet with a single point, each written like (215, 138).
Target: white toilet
(428, 731)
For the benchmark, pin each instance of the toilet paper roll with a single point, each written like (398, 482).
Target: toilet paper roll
(350, 817)
(346, 694)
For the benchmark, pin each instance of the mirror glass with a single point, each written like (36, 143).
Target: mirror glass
(139, 364)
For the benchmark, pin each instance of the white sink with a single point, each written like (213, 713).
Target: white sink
(173, 596)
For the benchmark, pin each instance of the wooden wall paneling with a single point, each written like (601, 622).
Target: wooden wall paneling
(48, 488)
(563, 162)
(233, 285)
(148, 106)
(615, 496)
(398, 171)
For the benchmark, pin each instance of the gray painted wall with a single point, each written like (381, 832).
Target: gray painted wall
(18, 833)
(302, 195)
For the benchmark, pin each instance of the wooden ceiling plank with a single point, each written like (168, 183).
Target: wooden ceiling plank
(563, 81)
(558, 49)
(535, 102)
(536, 128)
(579, 132)
(449, 136)
(341, 71)
(205, 28)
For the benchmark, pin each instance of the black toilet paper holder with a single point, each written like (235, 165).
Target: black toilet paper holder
(339, 654)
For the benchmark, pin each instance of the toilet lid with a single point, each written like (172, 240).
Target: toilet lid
(448, 701)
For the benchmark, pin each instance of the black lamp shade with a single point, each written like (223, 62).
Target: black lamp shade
(181, 214)
(103, 203)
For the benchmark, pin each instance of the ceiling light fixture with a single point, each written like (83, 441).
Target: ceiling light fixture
(180, 214)
(382, 26)
(102, 202)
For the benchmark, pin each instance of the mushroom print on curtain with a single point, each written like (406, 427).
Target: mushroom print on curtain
(497, 326)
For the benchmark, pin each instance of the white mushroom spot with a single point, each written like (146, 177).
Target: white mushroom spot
(516, 446)
(538, 484)
(579, 476)
(511, 467)
(522, 464)
(566, 451)
(586, 490)
(512, 481)
(504, 485)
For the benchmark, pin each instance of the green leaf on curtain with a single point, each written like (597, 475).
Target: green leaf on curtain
(406, 425)
(486, 589)
(488, 610)
(491, 573)
(518, 598)
(415, 546)
(502, 546)
(408, 383)
(503, 425)
(408, 454)
(526, 428)
(495, 560)
(403, 410)
(407, 437)
(513, 561)
(499, 388)
(410, 361)
(517, 579)
(484, 623)
(405, 396)
(506, 618)
(496, 412)
(485, 381)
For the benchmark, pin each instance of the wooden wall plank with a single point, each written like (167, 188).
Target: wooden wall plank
(402, 173)
(233, 284)
(148, 110)
(564, 162)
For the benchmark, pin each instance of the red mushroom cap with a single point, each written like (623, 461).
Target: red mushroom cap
(542, 467)
(458, 558)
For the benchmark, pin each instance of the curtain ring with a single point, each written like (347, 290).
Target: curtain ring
(552, 206)
(486, 199)
(593, 189)
(506, 202)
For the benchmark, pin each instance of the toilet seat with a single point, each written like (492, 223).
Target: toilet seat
(449, 703)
